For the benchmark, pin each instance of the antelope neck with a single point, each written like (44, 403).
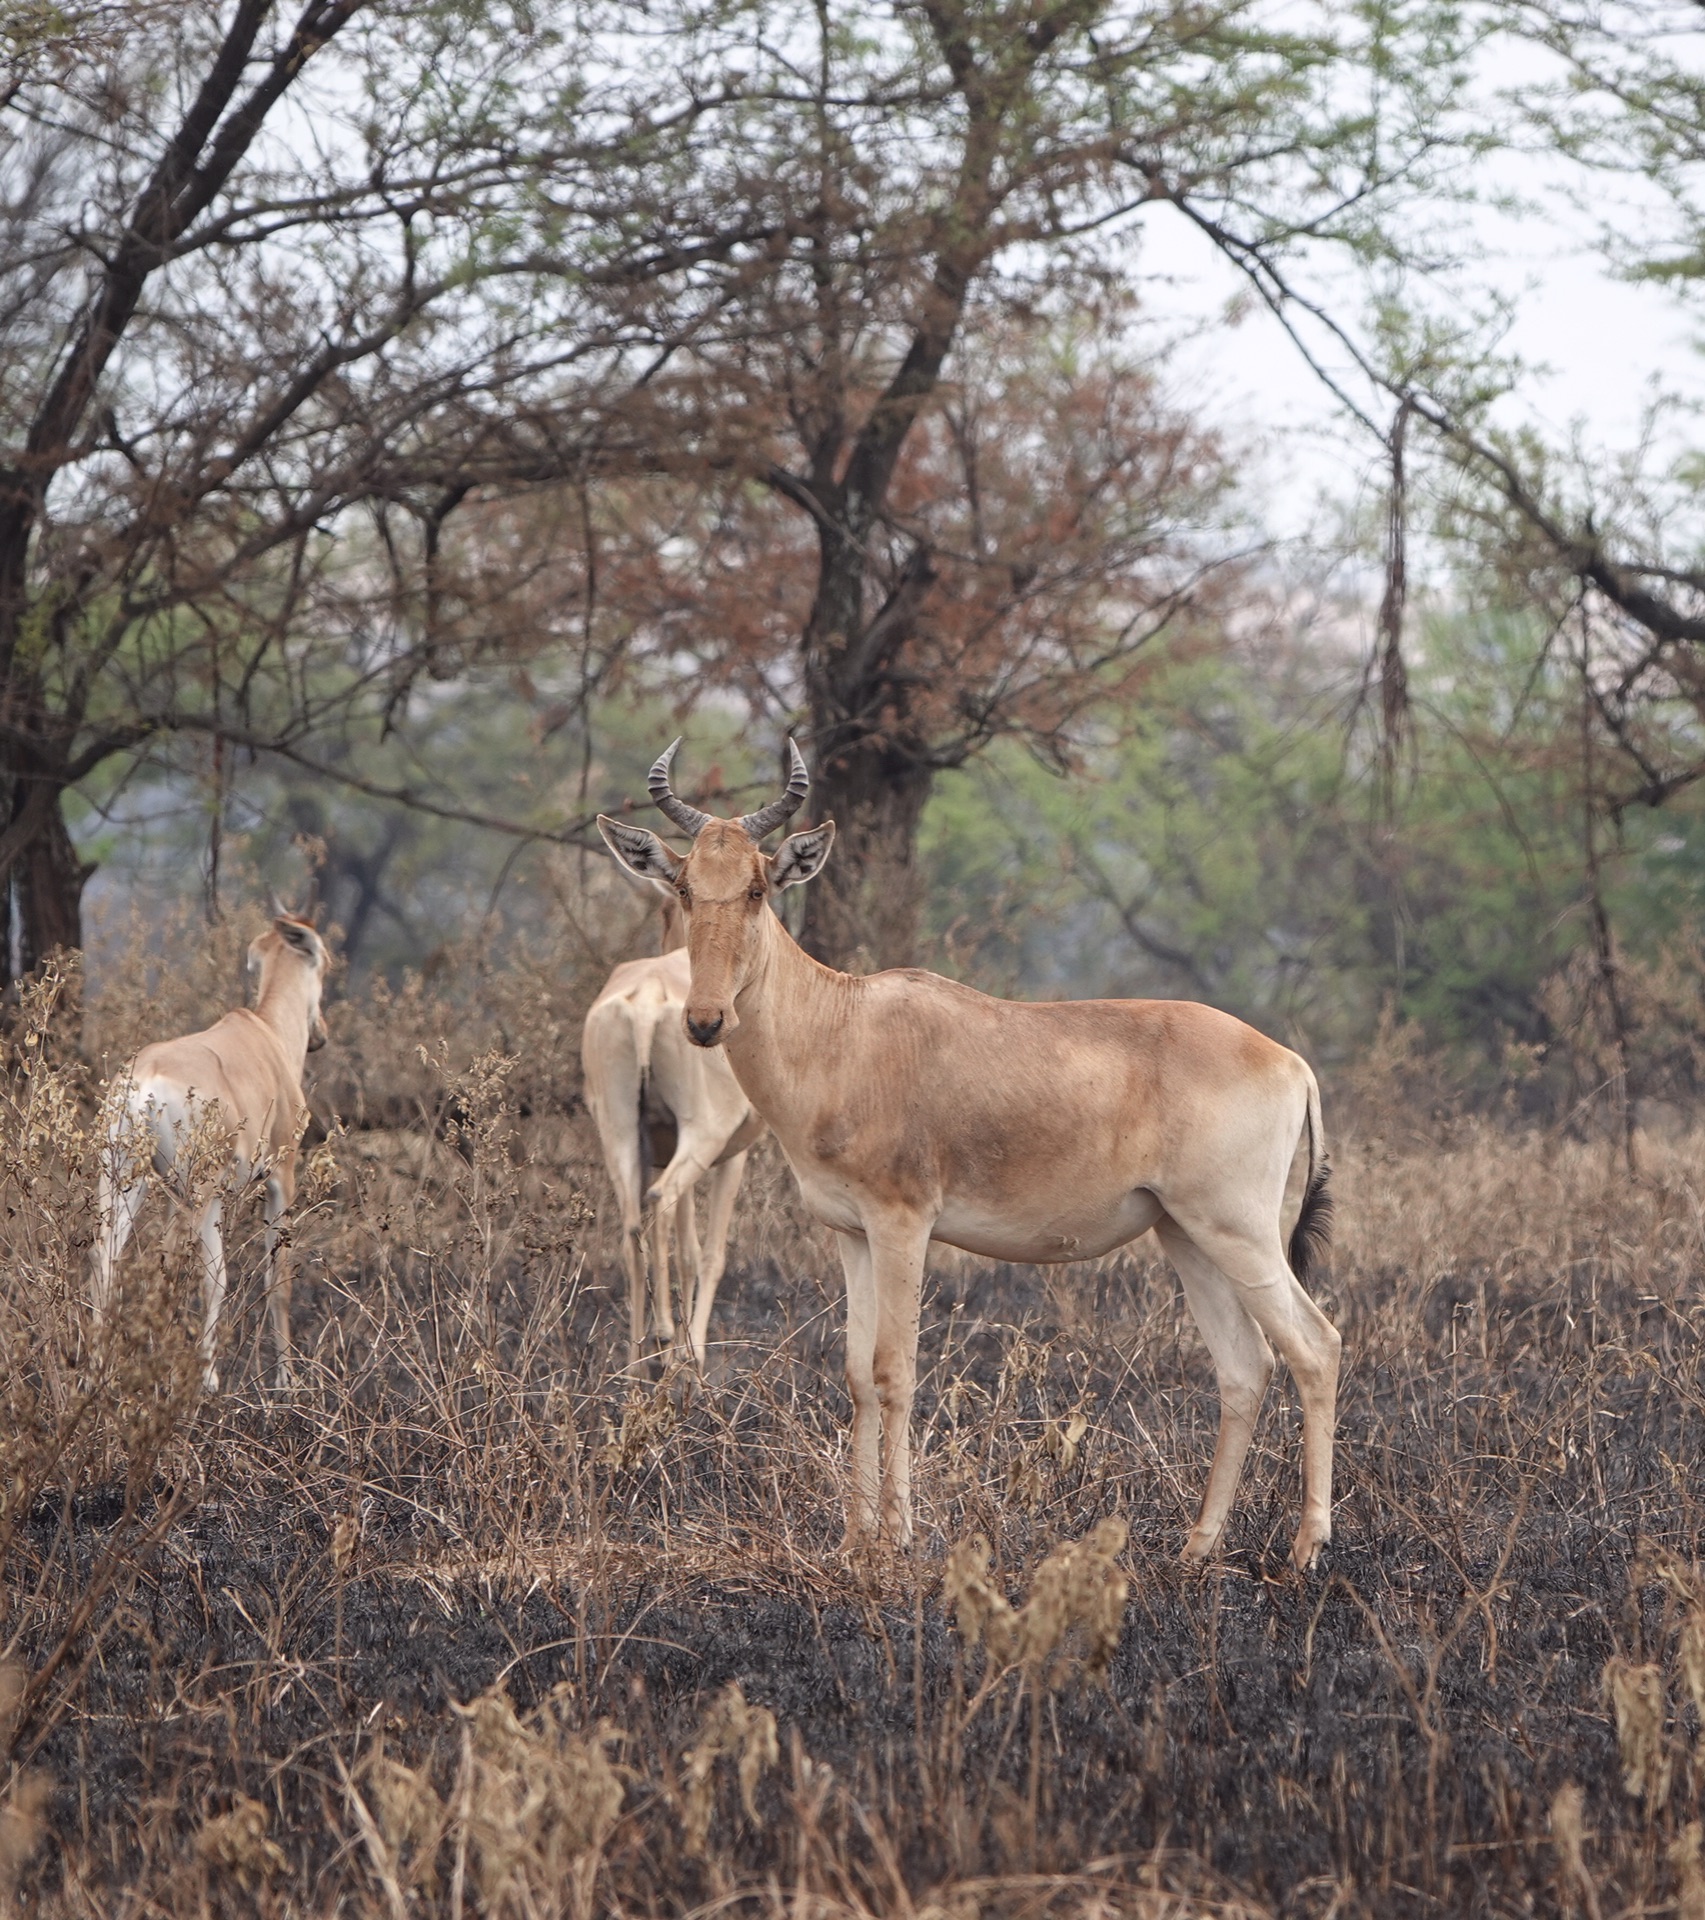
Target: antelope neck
(790, 1007)
(286, 1012)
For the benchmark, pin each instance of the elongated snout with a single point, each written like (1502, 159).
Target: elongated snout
(709, 1025)
(705, 1026)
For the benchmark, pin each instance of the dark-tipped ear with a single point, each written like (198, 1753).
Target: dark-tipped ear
(800, 856)
(640, 851)
(300, 939)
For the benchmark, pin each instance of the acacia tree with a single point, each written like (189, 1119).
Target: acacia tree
(919, 181)
(280, 292)
(288, 293)
(1048, 521)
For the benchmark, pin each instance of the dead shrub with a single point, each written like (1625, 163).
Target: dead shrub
(236, 1842)
(733, 1730)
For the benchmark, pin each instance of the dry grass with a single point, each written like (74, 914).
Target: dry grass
(472, 1624)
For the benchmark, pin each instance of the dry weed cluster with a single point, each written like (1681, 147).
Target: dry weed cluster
(474, 1623)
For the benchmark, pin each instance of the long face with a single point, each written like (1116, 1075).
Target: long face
(725, 884)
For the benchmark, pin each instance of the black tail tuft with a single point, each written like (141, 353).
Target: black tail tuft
(1312, 1234)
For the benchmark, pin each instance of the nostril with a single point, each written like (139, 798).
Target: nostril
(704, 1031)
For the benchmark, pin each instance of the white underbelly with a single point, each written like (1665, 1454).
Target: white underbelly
(1066, 1233)
(1080, 1229)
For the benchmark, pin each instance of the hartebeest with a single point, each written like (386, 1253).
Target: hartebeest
(234, 1089)
(912, 1109)
(644, 1083)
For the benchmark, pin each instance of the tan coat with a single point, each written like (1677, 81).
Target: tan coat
(229, 1098)
(913, 1109)
(645, 1081)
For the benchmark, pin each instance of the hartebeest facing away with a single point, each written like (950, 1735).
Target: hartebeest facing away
(235, 1090)
(644, 1084)
(914, 1109)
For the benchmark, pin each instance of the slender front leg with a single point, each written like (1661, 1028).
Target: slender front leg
(719, 1211)
(212, 1244)
(898, 1250)
(864, 1494)
(280, 1193)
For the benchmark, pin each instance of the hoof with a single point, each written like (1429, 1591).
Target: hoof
(1308, 1552)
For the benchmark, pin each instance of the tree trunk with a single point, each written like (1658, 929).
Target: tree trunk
(43, 893)
(862, 911)
(873, 775)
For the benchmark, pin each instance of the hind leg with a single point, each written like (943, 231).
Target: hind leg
(120, 1202)
(663, 1217)
(280, 1191)
(688, 1259)
(634, 1267)
(1308, 1343)
(212, 1244)
(1243, 1365)
(621, 1156)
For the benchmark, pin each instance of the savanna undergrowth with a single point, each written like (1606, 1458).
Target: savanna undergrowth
(475, 1622)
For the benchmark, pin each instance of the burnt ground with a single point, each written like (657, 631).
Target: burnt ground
(1519, 1445)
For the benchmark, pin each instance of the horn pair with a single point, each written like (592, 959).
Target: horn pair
(764, 821)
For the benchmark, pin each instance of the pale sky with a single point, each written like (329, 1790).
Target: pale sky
(1600, 349)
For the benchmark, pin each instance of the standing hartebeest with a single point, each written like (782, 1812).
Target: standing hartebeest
(237, 1087)
(643, 1081)
(912, 1109)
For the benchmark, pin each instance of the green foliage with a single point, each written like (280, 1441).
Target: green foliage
(1232, 846)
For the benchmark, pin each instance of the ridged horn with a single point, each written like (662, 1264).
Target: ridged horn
(767, 819)
(688, 819)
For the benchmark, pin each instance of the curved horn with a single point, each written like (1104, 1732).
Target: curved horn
(688, 819)
(767, 819)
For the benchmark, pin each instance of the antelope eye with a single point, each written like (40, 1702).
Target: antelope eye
(686, 894)
(754, 893)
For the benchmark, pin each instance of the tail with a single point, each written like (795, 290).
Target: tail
(1312, 1234)
(644, 1027)
(648, 1168)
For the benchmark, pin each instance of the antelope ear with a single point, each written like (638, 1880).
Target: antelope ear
(800, 856)
(301, 939)
(640, 851)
